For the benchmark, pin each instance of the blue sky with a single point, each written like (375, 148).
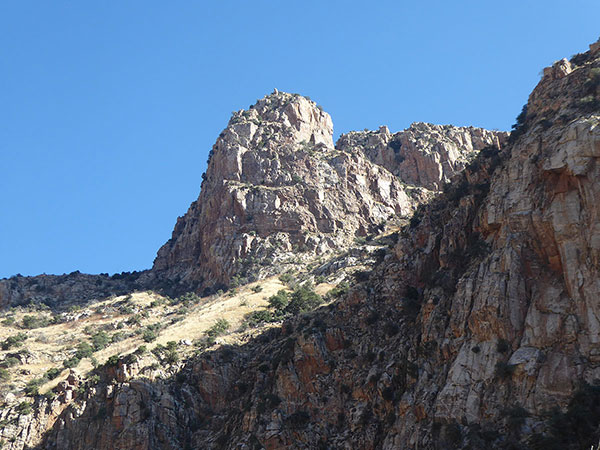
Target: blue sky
(108, 109)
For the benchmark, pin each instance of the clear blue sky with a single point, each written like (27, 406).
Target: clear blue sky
(108, 109)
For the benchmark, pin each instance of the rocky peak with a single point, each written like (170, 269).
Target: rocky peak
(424, 154)
(276, 189)
(304, 118)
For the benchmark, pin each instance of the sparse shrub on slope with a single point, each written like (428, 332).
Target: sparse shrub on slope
(304, 298)
(13, 341)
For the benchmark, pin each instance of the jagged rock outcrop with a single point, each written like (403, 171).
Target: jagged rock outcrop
(423, 155)
(276, 186)
(483, 318)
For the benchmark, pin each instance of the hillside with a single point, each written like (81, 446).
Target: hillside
(434, 288)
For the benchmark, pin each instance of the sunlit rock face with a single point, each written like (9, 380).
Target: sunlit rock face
(276, 187)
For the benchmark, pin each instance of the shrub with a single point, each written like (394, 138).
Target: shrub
(10, 361)
(14, 341)
(520, 126)
(303, 299)
(257, 288)
(4, 374)
(257, 317)
(100, 340)
(280, 300)
(589, 103)
(84, 350)
(515, 416)
(117, 337)
(8, 321)
(52, 373)
(416, 218)
(113, 360)
(149, 335)
(339, 291)
(171, 356)
(285, 278)
(391, 328)
(578, 59)
(141, 350)
(33, 387)
(578, 426)
(24, 408)
(30, 321)
(220, 327)
(189, 298)
(298, 419)
(388, 393)
(71, 362)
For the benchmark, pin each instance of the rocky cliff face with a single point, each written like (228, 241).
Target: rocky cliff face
(63, 291)
(479, 329)
(276, 187)
(423, 155)
(482, 319)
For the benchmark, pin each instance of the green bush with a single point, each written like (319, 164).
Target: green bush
(576, 428)
(520, 126)
(84, 350)
(100, 340)
(280, 300)
(14, 341)
(117, 337)
(220, 327)
(8, 321)
(113, 360)
(303, 299)
(256, 318)
(30, 321)
(24, 408)
(339, 291)
(149, 335)
(188, 299)
(33, 387)
(71, 362)
(52, 373)
(285, 278)
(141, 350)
(10, 361)
(171, 356)
(4, 374)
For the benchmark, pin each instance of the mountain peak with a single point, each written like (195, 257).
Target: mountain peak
(303, 119)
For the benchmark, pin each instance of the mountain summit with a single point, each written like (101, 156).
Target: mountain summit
(276, 189)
